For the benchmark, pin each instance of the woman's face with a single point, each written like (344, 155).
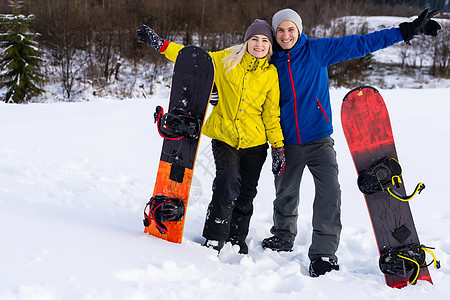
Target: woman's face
(258, 45)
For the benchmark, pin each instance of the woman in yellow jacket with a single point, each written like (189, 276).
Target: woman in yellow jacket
(246, 117)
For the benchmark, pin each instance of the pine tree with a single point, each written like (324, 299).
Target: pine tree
(20, 61)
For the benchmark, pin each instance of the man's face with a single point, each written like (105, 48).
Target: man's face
(287, 34)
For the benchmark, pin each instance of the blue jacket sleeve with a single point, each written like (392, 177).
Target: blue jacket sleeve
(333, 50)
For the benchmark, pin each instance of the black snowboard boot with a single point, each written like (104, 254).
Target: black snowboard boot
(243, 248)
(322, 265)
(277, 244)
(216, 245)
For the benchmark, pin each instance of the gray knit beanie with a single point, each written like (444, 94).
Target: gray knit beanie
(286, 15)
(259, 27)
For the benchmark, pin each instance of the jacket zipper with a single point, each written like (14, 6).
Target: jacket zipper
(295, 98)
(323, 110)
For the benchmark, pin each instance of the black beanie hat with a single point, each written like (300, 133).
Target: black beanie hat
(259, 27)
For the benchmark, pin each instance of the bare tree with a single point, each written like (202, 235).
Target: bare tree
(103, 31)
(441, 55)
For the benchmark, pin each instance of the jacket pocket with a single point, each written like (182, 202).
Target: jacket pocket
(323, 110)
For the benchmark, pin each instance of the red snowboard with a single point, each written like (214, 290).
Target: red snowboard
(367, 128)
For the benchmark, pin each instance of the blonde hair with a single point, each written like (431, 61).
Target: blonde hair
(237, 54)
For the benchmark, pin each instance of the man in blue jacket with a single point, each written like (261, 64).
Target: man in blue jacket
(306, 122)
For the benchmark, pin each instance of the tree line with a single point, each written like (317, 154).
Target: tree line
(103, 31)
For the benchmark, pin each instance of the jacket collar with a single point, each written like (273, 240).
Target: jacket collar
(279, 52)
(251, 63)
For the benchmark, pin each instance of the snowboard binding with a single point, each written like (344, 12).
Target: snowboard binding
(381, 176)
(163, 209)
(407, 260)
(177, 124)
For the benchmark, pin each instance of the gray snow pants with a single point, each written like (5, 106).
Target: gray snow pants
(320, 158)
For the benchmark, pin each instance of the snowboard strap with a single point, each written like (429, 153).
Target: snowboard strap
(163, 209)
(177, 124)
(405, 260)
(158, 115)
(419, 188)
(382, 174)
(379, 176)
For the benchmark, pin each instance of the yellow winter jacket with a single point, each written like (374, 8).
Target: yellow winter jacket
(248, 111)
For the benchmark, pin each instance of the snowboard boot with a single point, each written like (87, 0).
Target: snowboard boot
(216, 245)
(322, 265)
(277, 244)
(243, 248)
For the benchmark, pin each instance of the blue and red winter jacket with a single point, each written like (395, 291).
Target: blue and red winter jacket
(304, 89)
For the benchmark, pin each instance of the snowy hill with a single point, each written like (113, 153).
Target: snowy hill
(388, 73)
(75, 177)
(138, 81)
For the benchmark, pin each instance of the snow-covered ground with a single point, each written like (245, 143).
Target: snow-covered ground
(75, 177)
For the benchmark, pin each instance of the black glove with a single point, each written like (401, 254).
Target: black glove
(278, 161)
(214, 99)
(149, 37)
(422, 25)
(431, 28)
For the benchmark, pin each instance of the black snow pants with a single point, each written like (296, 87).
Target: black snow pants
(234, 188)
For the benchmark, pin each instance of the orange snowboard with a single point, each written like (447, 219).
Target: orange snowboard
(192, 82)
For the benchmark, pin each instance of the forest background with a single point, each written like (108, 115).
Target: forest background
(88, 45)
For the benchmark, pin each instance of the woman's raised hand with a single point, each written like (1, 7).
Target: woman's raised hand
(148, 36)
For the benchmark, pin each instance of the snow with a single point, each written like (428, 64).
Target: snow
(75, 177)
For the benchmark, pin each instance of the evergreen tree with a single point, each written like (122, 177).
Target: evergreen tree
(20, 62)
